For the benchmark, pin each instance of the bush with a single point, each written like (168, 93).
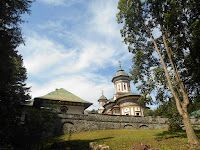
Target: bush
(37, 124)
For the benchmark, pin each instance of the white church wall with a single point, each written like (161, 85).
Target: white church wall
(71, 109)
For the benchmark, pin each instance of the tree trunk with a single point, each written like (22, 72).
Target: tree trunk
(181, 106)
(192, 138)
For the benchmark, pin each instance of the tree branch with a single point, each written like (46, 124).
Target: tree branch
(179, 81)
(176, 97)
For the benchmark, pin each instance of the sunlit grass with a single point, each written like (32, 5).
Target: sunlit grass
(124, 139)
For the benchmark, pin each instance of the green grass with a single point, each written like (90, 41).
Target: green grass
(123, 139)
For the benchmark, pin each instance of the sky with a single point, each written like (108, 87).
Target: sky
(75, 45)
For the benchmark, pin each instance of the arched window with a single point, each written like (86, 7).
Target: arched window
(118, 87)
(124, 86)
(63, 110)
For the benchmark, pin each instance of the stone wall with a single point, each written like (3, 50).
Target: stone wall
(78, 123)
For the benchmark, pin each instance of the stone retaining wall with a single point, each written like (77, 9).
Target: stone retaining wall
(78, 123)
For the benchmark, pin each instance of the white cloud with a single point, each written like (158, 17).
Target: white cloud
(54, 2)
(91, 56)
(41, 52)
(95, 44)
(60, 2)
(51, 24)
(104, 20)
(92, 51)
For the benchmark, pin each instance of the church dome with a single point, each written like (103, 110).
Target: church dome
(103, 97)
(120, 73)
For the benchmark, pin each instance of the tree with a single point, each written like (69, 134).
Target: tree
(159, 62)
(36, 125)
(13, 90)
(191, 73)
(94, 111)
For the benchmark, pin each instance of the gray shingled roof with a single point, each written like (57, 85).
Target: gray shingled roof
(119, 73)
(63, 95)
(103, 97)
(124, 95)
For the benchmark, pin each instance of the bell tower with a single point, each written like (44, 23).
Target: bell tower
(121, 82)
(102, 101)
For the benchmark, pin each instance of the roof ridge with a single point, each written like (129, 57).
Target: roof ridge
(63, 95)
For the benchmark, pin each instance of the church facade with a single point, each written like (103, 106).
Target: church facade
(62, 101)
(124, 102)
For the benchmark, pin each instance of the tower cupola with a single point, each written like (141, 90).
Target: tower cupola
(121, 81)
(102, 101)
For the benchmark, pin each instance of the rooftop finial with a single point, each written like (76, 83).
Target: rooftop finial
(102, 92)
(120, 67)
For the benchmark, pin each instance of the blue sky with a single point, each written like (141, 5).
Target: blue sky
(75, 45)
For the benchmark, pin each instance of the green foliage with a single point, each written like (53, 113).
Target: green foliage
(13, 90)
(195, 104)
(40, 120)
(94, 111)
(149, 112)
(37, 124)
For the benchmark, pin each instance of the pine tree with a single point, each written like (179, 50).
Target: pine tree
(13, 90)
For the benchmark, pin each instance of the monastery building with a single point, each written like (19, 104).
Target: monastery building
(62, 101)
(124, 102)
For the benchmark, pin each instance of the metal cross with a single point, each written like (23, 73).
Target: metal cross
(119, 63)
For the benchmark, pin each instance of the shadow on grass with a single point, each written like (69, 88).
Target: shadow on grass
(175, 134)
(73, 144)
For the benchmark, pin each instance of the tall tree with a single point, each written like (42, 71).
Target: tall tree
(162, 34)
(13, 90)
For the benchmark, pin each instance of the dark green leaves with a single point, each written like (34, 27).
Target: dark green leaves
(13, 90)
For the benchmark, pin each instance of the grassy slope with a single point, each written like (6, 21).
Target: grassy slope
(124, 139)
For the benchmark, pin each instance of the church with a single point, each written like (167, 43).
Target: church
(62, 101)
(124, 102)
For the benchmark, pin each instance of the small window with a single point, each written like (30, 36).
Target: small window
(63, 110)
(124, 86)
(137, 114)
